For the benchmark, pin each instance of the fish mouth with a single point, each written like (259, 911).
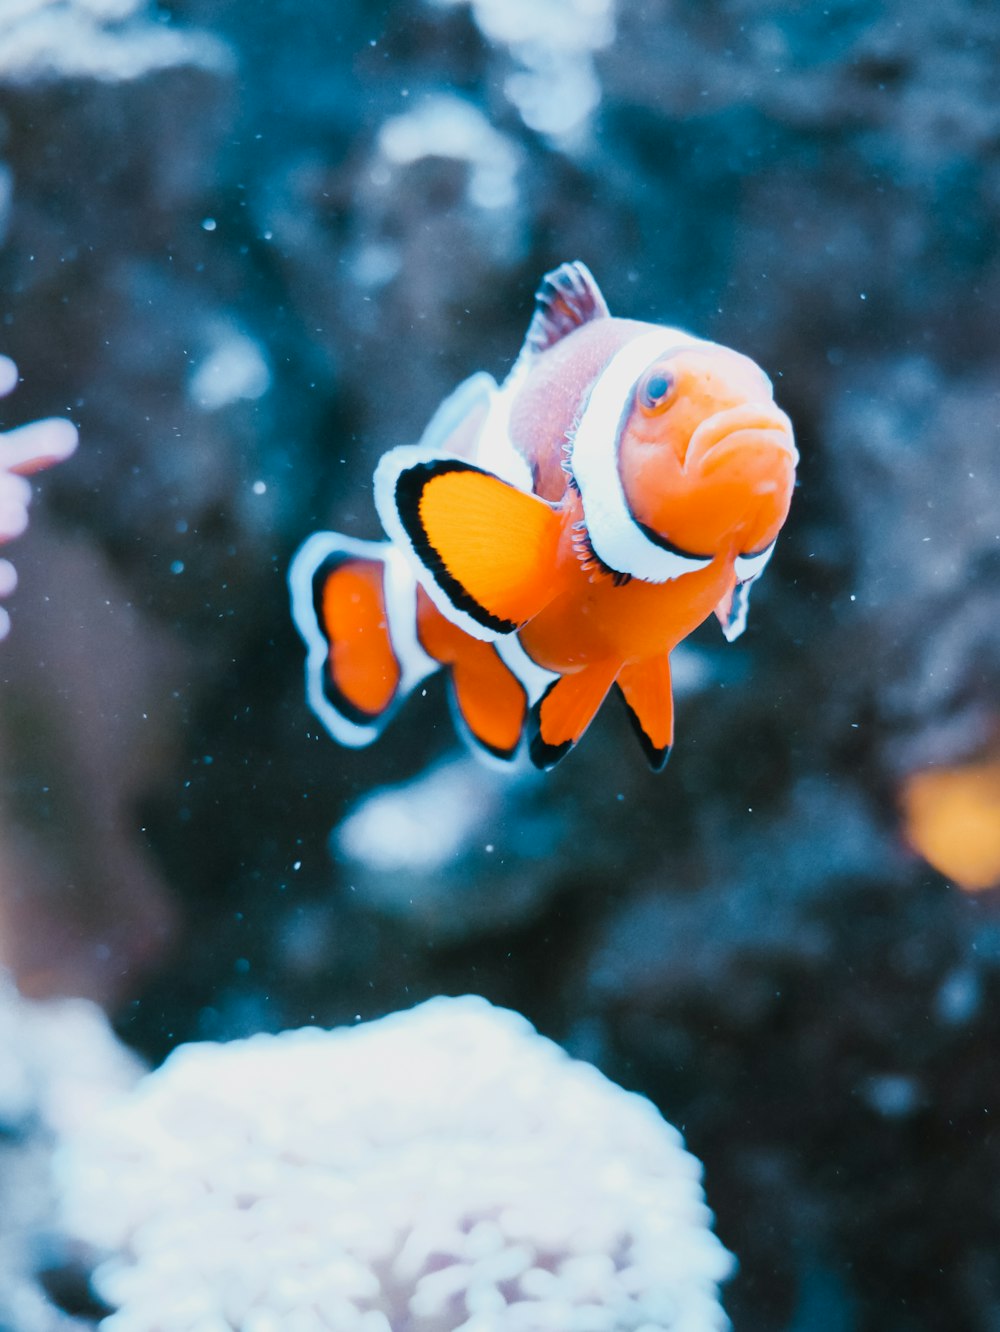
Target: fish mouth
(751, 423)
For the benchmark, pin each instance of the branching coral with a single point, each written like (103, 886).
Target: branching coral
(23, 451)
(439, 1169)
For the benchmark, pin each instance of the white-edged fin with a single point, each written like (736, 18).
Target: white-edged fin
(401, 618)
(400, 593)
(473, 423)
(534, 679)
(735, 619)
(495, 452)
(616, 537)
(488, 443)
(390, 468)
(749, 567)
(474, 394)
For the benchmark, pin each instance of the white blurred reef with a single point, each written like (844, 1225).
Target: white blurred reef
(443, 1169)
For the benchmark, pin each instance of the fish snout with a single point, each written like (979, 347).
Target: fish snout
(758, 427)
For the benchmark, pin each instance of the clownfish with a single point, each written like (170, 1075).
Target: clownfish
(554, 536)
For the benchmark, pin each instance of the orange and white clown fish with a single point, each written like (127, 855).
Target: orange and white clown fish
(554, 536)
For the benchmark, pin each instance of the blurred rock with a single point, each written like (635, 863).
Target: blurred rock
(396, 256)
(727, 931)
(923, 456)
(455, 853)
(88, 726)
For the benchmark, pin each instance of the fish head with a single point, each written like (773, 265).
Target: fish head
(706, 458)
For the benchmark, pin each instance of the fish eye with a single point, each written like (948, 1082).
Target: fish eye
(656, 389)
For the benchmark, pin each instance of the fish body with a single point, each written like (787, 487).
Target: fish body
(554, 536)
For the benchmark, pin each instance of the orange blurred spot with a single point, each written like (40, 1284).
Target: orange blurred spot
(952, 817)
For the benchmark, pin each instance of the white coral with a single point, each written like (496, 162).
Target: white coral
(440, 1169)
(59, 1063)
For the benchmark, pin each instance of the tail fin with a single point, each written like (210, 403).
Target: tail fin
(354, 603)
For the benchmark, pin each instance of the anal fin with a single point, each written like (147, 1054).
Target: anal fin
(490, 701)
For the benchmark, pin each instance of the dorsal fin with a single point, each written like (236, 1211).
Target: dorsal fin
(567, 298)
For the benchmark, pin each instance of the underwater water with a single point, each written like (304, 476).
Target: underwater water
(247, 249)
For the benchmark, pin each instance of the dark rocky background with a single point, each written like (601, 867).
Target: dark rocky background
(232, 264)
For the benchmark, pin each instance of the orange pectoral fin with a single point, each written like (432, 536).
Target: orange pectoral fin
(489, 547)
(645, 687)
(564, 712)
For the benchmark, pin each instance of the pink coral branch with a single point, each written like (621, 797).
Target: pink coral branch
(28, 449)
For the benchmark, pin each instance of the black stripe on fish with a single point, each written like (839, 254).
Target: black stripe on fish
(651, 534)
